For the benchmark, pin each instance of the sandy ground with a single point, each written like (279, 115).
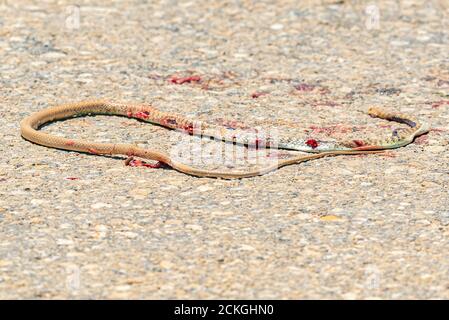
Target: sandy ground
(81, 226)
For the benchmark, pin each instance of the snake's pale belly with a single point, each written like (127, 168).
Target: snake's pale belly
(30, 131)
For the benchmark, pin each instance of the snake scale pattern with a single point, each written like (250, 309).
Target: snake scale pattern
(30, 131)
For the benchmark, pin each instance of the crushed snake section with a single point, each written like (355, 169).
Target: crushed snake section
(234, 133)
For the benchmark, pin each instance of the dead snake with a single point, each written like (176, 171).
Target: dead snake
(30, 131)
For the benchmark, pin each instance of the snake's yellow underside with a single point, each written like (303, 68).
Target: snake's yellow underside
(30, 131)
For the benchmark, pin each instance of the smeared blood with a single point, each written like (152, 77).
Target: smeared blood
(312, 143)
(70, 143)
(183, 80)
(140, 163)
(359, 143)
(93, 151)
(188, 128)
(129, 114)
(72, 178)
(143, 114)
(258, 142)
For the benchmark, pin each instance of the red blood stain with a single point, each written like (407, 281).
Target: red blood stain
(255, 95)
(129, 114)
(72, 178)
(188, 128)
(70, 143)
(143, 114)
(258, 142)
(359, 143)
(183, 80)
(304, 87)
(312, 143)
(93, 151)
(140, 163)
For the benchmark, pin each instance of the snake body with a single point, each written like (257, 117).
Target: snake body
(31, 124)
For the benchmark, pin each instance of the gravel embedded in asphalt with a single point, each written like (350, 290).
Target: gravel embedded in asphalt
(369, 226)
